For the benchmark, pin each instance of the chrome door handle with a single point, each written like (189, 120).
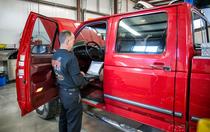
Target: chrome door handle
(161, 67)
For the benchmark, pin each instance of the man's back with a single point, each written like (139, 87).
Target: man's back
(67, 70)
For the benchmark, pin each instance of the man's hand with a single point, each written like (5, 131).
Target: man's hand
(83, 74)
(91, 80)
(101, 76)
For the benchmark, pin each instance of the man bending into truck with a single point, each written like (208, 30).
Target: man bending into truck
(69, 80)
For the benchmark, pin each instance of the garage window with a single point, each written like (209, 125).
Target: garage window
(144, 34)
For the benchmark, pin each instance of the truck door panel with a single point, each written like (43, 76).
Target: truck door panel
(42, 79)
(142, 77)
(199, 99)
(199, 90)
(200, 82)
(199, 106)
(35, 81)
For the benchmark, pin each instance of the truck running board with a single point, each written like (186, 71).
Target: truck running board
(115, 124)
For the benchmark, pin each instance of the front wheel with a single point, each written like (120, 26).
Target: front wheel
(48, 110)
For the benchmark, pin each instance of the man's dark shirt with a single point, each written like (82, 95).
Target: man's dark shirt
(67, 70)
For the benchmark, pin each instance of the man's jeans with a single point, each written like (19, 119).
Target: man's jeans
(71, 112)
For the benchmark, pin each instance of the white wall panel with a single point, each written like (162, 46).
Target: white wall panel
(57, 12)
(122, 6)
(13, 15)
(90, 5)
(130, 6)
(104, 6)
(64, 2)
(12, 20)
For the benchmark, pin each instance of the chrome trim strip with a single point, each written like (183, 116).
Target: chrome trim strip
(201, 57)
(178, 114)
(149, 107)
(140, 105)
(193, 118)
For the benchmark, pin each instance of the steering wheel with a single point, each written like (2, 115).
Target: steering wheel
(94, 50)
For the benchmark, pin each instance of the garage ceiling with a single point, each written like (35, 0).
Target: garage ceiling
(198, 3)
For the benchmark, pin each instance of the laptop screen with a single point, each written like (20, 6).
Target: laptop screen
(95, 68)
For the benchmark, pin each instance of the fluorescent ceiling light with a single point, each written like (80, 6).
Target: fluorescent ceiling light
(129, 29)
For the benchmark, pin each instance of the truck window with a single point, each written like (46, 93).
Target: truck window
(92, 33)
(42, 36)
(199, 31)
(145, 34)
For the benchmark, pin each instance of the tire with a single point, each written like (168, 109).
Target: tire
(48, 110)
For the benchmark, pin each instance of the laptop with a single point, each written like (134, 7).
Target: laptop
(94, 70)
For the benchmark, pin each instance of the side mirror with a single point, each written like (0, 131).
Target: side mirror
(40, 49)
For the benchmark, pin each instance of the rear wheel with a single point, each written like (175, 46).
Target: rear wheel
(48, 110)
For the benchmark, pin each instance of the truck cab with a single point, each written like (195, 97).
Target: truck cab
(154, 69)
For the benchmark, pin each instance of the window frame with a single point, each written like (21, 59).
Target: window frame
(136, 53)
(90, 24)
(208, 31)
(193, 11)
(52, 44)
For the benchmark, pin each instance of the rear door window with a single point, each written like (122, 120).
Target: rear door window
(144, 34)
(199, 31)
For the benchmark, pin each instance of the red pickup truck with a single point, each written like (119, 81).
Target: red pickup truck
(155, 71)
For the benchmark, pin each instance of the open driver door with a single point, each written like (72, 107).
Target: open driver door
(35, 81)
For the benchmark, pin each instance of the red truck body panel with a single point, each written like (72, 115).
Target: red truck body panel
(199, 106)
(135, 80)
(23, 83)
(184, 53)
(169, 100)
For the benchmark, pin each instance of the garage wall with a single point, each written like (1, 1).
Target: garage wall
(13, 16)
(102, 6)
(64, 2)
(14, 13)
(125, 6)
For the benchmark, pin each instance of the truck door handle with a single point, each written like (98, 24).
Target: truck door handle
(160, 66)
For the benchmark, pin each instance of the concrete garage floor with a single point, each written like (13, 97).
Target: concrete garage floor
(11, 121)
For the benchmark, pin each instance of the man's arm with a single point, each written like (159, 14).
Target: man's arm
(73, 69)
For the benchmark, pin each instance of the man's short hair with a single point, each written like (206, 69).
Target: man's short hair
(63, 35)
